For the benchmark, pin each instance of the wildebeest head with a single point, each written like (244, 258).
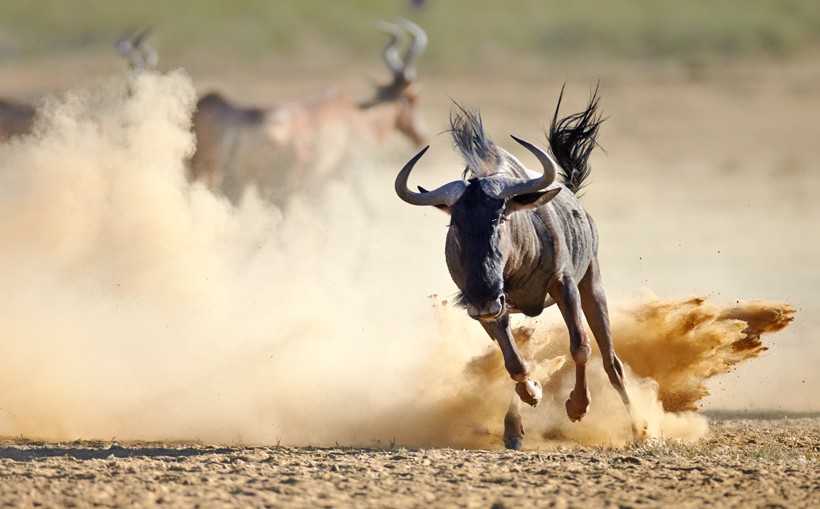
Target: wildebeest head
(485, 227)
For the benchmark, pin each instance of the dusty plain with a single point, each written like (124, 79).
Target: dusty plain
(710, 184)
(767, 462)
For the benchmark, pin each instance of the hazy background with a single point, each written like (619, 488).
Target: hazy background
(125, 289)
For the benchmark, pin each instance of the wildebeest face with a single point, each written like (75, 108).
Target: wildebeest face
(484, 215)
(480, 242)
(478, 232)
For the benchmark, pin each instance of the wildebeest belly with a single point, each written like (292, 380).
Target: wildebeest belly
(569, 243)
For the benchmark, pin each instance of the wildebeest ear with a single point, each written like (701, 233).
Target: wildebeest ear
(444, 208)
(531, 200)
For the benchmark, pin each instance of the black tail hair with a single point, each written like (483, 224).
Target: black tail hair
(572, 139)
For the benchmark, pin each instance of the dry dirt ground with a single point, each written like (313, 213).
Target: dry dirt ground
(764, 462)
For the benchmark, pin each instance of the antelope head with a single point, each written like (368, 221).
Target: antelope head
(400, 93)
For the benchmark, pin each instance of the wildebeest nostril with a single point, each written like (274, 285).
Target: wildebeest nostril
(496, 307)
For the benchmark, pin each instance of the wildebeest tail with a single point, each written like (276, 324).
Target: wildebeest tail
(479, 151)
(572, 139)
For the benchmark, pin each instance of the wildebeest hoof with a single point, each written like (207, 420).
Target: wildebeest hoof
(640, 431)
(577, 407)
(513, 443)
(574, 413)
(529, 391)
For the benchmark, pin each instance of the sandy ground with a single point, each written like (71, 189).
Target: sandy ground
(769, 462)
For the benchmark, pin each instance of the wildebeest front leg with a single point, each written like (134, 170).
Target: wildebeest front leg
(513, 429)
(565, 294)
(499, 329)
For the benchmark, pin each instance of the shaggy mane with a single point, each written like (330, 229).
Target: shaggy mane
(479, 151)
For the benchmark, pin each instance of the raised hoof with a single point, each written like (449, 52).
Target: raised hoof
(529, 391)
(513, 443)
(573, 413)
(576, 412)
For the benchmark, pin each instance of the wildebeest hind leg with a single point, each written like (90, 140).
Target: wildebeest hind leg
(565, 293)
(593, 301)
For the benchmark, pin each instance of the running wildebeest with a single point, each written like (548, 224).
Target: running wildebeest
(519, 242)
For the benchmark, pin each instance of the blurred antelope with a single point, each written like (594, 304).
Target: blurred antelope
(135, 49)
(17, 118)
(313, 135)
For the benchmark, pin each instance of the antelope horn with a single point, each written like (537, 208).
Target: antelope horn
(139, 54)
(126, 49)
(140, 37)
(416, 48)
(391, 51)
(148, 54)
(445, 195)
(530, 186)
(124, 41)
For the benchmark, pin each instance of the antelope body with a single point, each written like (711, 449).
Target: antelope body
(307, 140)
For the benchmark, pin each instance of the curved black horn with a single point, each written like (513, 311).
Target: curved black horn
(445, 195)
(530, 186)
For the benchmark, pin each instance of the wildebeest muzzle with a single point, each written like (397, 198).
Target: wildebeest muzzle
(490, 311)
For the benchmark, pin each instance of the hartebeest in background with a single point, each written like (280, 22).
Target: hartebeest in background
(307, 140)
(17, 118)
(519, 242)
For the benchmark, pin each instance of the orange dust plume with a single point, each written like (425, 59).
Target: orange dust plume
(671, 348)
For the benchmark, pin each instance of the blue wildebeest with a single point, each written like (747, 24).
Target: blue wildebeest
(519, 242)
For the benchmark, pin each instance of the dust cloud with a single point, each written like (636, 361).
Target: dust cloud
(137, 306)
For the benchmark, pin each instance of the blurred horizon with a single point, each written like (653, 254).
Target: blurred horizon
(481, 32)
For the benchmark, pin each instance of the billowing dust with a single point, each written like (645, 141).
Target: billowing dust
(671, 347)
(139, 307)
